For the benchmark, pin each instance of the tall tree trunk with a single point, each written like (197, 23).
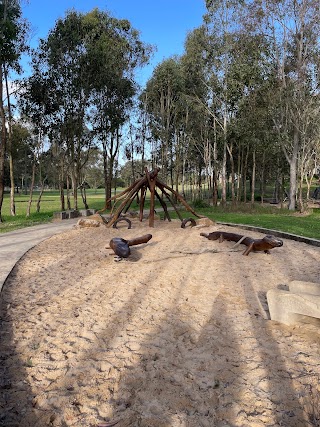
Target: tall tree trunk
(240, 171)
(233, 198)
(215, 165)
(74, 181)
(40, 196)
(84, 196)
(31, 189)
(3, 141)
(12, 186)
(41, 181)
(262, 177)
(309, 179)
(171, 166)
(282, 191)
(178, 162)
(133, 172)
(183, 180)
(61, 189)
(68, 193)
(253, 179)
(293, 161)
(108, 163)
(300, 194)
(107, 184)
(224, 164)
(245, 170)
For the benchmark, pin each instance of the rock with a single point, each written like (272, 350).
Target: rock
(84, 222)
(204, 222)
(133, 214)
(288, 307)
(98, 217)
(91, 221)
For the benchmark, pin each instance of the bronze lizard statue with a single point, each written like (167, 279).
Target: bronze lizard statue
(265, 244)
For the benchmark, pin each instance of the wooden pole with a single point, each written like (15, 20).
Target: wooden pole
(142, 200)
(173, 204)
(117, 213)
(151, 184)
(119, 196)
(180, 198)
(164, 206)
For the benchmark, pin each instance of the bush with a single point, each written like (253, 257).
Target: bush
(199, 203)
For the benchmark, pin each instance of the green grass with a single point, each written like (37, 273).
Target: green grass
(266, 216)
(269, 217)
(50, 202)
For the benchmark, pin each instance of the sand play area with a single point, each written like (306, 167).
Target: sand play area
(175, 335)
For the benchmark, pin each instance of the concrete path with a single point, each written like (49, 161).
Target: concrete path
(15, 244)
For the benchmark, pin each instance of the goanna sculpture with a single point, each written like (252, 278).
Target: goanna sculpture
(265, 244)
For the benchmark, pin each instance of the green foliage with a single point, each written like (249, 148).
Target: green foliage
(13, 32)
(223, 114)
(268, 217)
(50, 203)
(265, 216)
(81, 91)
(199, 203)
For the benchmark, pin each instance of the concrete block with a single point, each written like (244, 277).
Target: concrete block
(85, 212)
(298, 286)
(60, 215)
(289, 308)
(72, 214)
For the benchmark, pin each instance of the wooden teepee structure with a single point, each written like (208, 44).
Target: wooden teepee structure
(157, 189)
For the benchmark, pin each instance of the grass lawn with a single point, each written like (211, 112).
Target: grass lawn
(282, 220)
(50, 202)
(266, 216)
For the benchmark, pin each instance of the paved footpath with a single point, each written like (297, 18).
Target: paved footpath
(15, 244)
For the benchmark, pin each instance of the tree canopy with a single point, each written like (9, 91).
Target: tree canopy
(236, 113)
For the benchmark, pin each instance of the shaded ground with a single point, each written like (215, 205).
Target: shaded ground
(170, 337)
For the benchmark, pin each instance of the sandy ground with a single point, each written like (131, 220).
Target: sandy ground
(169, 337)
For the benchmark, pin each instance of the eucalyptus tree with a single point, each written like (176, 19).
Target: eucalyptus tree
(82, 86)
(21, 154)
(54, 97)
(308, 159)
(235, 75)
(126, 171)
(64, 56)
(144, 143)
(13, 30)
(195, 121)
(293, 28)
(164, 90)
(114, 51)
(109, 113)
(250, 131)
(222, 20)
(135, 144)
(92, 173)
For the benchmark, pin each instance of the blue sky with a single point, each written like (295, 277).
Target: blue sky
(163, 23)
